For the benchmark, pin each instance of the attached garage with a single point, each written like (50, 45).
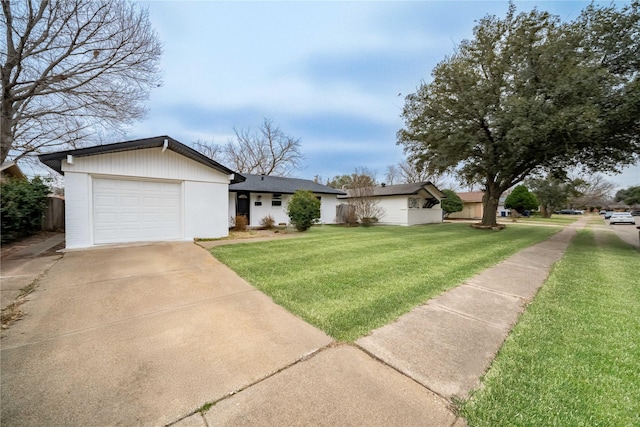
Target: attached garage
(153, 189)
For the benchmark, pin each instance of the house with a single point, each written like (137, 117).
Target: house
(148, 189)
(262, 195)
(471, 206)
(474, 209)
(10, 170)
(406, 204)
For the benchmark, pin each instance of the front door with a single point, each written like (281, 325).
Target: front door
(242, 204)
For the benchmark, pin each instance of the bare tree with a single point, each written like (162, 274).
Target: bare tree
(362, 197)
(407, 173)
(268, 151)
(71, 69)
(591, 191)
(209, 149)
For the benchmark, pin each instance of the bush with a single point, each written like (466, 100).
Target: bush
(267, 222)
(451, 203)
(303, 209)
(23, 204)
(241, 223)
(368, 221)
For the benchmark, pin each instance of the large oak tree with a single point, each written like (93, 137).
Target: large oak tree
(71, 69)
(530, 93)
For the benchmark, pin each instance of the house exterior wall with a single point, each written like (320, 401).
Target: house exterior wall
(78, 231)
(328, 203)
(204, 190)
(470, 210)
(397, 211)
(205, 213)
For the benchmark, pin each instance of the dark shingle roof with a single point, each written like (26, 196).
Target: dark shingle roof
(401, 190)
(277, 184)
(54, 160)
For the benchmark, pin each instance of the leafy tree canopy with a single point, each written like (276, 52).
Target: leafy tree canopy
(521, 199)
(529, 93)
(451, 203)
(360, 178)
(630, 196)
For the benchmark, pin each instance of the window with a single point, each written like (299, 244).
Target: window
(276, 200)
(414, 203)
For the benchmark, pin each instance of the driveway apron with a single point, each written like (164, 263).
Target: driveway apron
(142, 335)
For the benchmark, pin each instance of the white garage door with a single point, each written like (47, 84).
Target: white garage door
(134, 211)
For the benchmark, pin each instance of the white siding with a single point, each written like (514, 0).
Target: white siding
(206, 213)
(328, 208)
(231, 215)
(395, 210)
(147, 163)
(77, 220)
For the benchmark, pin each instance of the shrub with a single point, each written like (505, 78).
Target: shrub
(303, 209)
(23, 204)
(451, 203)
(267, 222)
(241, 223)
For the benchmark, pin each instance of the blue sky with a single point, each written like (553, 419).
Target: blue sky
(333, 74)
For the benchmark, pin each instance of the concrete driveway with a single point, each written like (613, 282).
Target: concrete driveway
(142, 335)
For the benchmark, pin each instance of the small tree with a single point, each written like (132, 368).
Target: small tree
(361, 196)
(451, 203)
(521, 199)
(23, 203)
(303, 209)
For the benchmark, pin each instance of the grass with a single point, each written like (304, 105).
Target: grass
(574, 357)
(554, 219)
(349, 281)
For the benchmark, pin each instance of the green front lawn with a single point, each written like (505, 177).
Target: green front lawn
(555, 219)
(574, 357)
(349, 281)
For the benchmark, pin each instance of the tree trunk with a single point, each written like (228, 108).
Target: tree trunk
(6, 134)
(490, 202)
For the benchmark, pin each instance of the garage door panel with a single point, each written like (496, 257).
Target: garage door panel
(129, 211)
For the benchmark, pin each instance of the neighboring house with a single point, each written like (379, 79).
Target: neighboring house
(10, 170)
(148, 189)
(262, 195)
(407, 204)
(471, 206)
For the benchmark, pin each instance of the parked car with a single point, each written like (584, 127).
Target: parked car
(608, 214)
(570, 212)
(635, 213)
(622, 218)
(603, 211)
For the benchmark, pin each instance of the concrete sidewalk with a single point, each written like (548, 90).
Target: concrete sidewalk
(405, 373)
